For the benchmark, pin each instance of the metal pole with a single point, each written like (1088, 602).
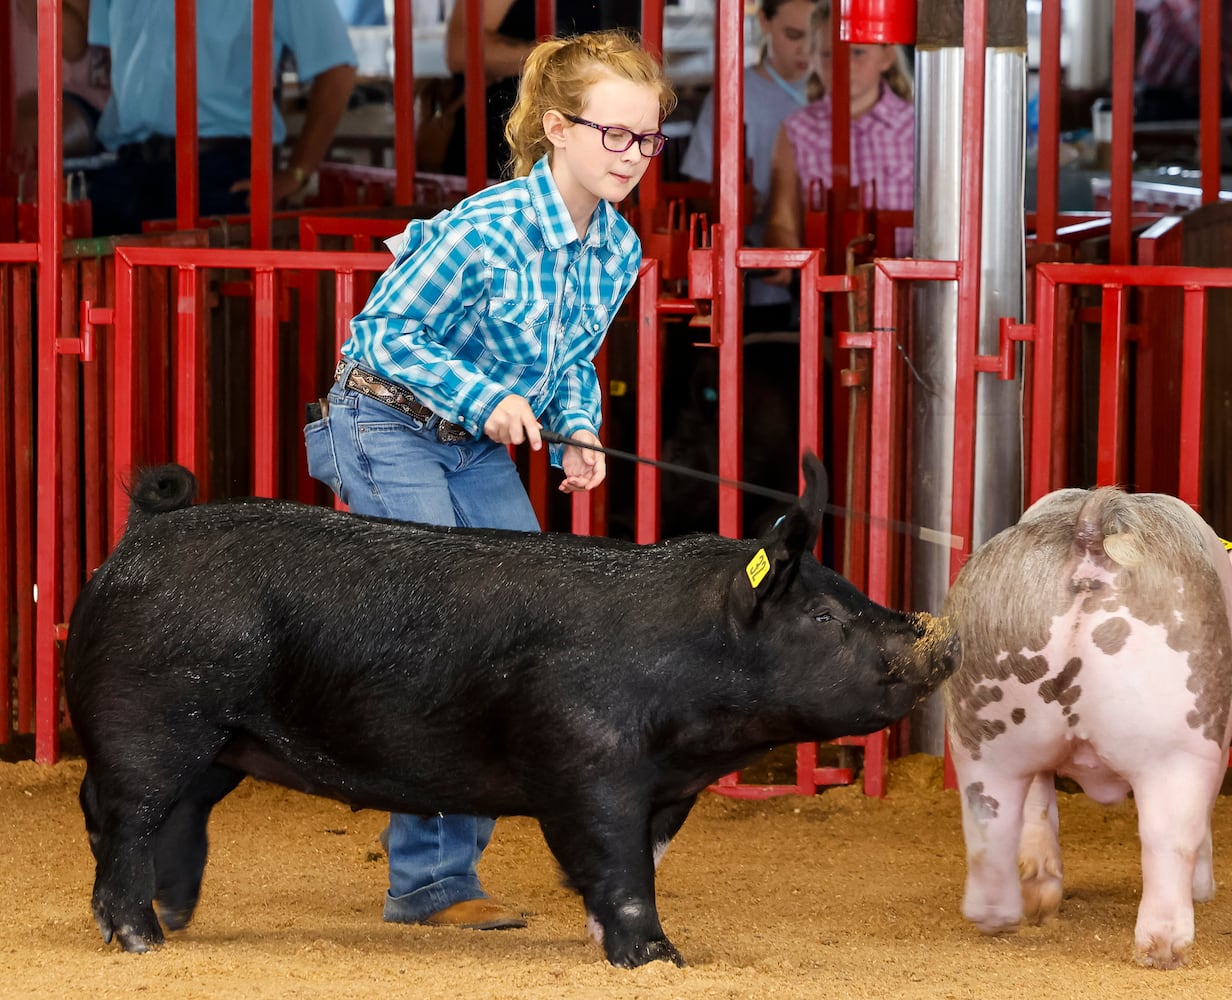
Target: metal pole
(261, 146)
(50, 309)
(404, 104)
(970, 164)
(186, 201)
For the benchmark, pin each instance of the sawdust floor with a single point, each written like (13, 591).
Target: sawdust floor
(831, 896)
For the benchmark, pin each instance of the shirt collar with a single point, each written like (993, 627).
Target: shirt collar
(554, 218)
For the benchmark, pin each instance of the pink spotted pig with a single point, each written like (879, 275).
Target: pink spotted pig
(1096, 644)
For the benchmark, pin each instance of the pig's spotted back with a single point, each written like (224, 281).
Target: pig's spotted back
(1047, 597)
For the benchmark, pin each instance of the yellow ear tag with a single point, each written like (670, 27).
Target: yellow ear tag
(1226, 544)
(757, 568)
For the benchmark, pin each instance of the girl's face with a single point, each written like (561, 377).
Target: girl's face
(585, 169)
(867, 63)
(788, 39)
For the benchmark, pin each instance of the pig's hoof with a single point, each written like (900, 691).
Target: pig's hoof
(136, 937)
(992, 922)
(175, 918)
(1158, 953)
(658, 950)
(1041, 899)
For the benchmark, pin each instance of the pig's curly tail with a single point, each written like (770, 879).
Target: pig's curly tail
(158, 490)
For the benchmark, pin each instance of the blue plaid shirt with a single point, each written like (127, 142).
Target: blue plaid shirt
(499, 295)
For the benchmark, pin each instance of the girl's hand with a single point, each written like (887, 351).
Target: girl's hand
(512, 422)
(584, 469)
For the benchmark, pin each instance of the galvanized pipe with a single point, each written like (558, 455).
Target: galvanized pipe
(991, 285)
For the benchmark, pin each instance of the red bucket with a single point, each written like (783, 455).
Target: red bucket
(878, 22)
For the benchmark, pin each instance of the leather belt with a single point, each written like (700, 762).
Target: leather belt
(401, 399)
(161, 148)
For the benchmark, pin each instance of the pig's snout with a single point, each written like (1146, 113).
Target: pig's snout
(933, 656)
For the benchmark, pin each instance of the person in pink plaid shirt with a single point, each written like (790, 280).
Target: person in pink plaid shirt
(1166, 76)
(882, 141)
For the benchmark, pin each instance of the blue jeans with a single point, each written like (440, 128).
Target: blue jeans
(382, 462)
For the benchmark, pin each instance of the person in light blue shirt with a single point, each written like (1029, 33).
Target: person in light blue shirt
(138, 121)
(364, 13)
(481, 332)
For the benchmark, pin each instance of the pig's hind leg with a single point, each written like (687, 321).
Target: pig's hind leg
(127, 796)
(1174, 800)
(1039, 852)
(992, 807)
(182, 844)
(610, 862)
(120, 834)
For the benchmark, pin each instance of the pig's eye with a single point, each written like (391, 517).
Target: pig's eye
(822, 616)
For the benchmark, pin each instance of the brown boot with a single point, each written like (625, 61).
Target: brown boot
(476, 915)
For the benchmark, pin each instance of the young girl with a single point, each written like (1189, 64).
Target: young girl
(775, 86)
(485, 326)
(882, 138)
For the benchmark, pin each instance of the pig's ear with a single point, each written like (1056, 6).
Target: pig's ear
(774, 565)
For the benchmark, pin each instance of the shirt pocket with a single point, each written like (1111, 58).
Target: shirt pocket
(517, 328)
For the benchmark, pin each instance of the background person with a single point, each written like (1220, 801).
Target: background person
(882, 139)
(485, 325)
(775, 86)
(1166, 73)
(508, 37)
(86, 82)
(138, 123)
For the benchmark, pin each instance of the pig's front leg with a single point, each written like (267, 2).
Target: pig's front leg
(992, 807)
(607, 857)
(1174, 803)
(1039, 852)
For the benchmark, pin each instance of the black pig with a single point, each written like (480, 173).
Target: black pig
(598, 686)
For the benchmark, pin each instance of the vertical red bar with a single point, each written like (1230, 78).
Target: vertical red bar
(23, 496)
(1122, 170)
(476, 99)
(261, 197)
(50, 228)
(68, 394)
(975, 37)
(8, 107)
(726, 327)
(185, 114)
(93, 402)
(840, 152)
(1193, 363)
(649, 404)
(1043, 401)
(344, 309)
(885, 319)
(1112, 387)
(537, 467)
(812, 389)
(264, 384)
(124, 374)
(545, 18)
(1209, 87)
(404, 105)
(188, 372)
(1047, 166)
(648, 189)
(8, 534)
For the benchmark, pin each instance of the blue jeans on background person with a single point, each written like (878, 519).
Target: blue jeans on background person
(383, 462)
